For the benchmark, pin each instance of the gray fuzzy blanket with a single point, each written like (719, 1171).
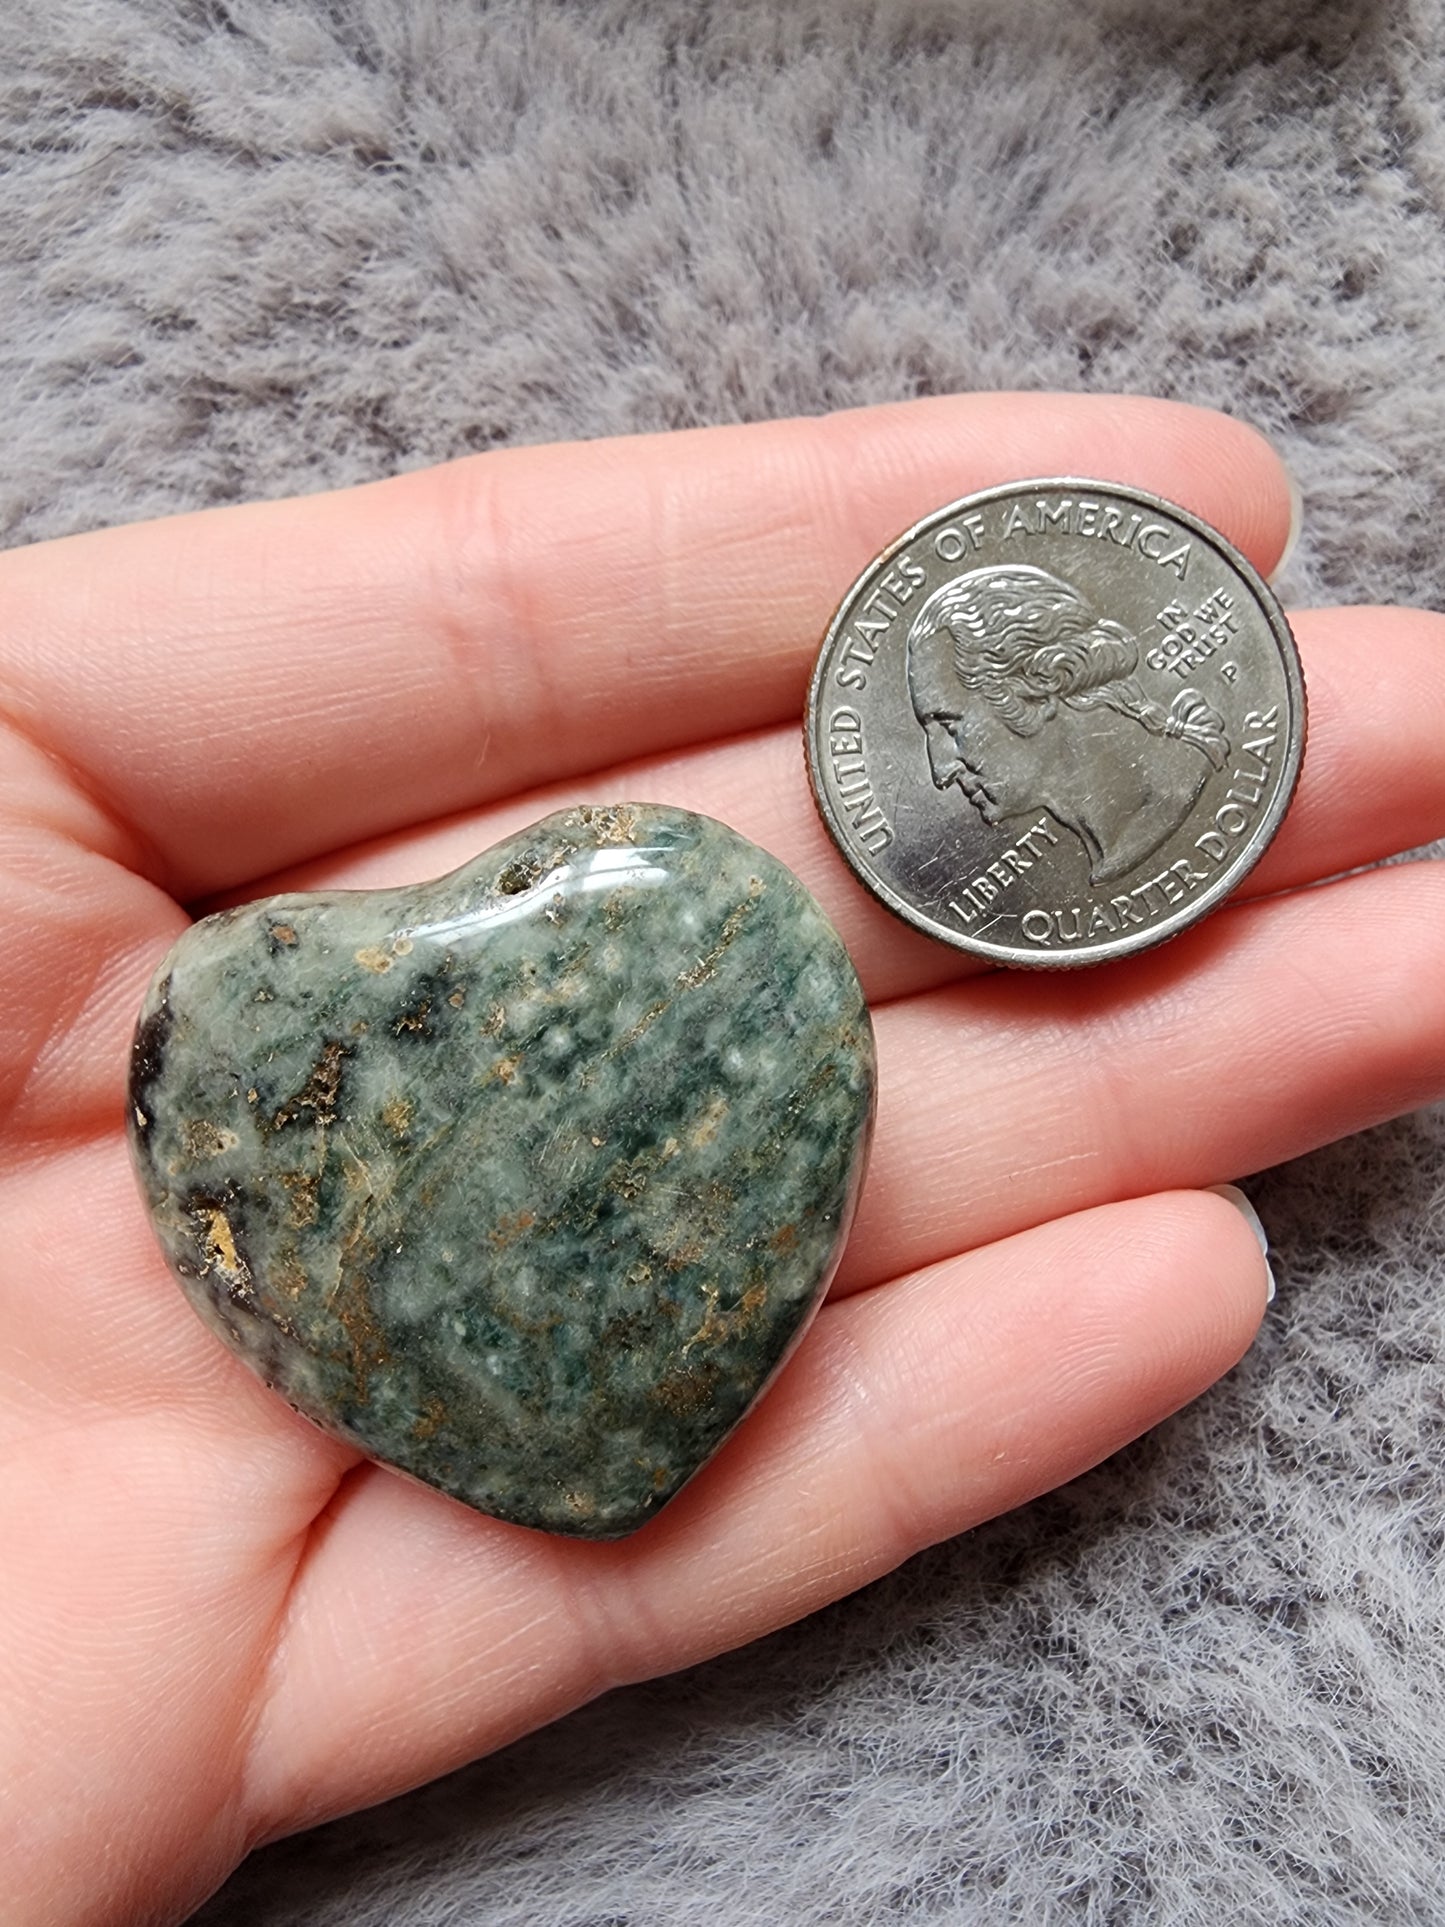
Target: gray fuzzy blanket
(254, 246)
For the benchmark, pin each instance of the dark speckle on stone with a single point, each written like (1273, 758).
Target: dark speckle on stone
(315, 1101)
(148, 1051)
(525, 1190)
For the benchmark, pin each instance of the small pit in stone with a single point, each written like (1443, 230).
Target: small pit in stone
(516, 878)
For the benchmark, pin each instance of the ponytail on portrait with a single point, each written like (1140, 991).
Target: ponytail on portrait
(1188, 719)
(1191, 717)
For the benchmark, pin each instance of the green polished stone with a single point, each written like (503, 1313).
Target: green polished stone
(524, 1181)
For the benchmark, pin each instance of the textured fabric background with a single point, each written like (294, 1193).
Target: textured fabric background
(254, 246)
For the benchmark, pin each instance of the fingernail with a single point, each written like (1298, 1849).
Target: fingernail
(1296, 520)
(1232, 1194)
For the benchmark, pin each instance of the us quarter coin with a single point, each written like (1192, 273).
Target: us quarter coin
(1056, 723)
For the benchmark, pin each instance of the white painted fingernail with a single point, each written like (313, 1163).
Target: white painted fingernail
(1296, 521)
(1232, 1194)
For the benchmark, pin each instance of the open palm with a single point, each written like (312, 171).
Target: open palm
(217, 1625)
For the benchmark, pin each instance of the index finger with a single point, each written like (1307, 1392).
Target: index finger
(248, 688)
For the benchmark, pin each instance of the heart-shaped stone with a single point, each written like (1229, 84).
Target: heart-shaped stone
(524, 1181)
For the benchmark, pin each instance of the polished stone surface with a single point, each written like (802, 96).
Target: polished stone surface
(525, 1180)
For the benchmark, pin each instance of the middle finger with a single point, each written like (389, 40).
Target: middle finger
(1272, 1028)
(1373, 783)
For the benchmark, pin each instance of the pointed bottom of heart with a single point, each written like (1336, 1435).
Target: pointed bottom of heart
(524, 1181)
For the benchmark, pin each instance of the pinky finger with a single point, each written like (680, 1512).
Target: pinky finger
(968, 1388)
(910, 1413)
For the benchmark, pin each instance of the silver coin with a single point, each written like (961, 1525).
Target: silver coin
(1056, 723)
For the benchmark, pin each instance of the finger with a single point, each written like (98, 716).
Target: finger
(906, 1416)
(252, 686)
(1373, 778)
(1373, 783)
(1272, 1028)
(1003, 1101)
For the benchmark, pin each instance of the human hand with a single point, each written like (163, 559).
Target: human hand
(217, 1625)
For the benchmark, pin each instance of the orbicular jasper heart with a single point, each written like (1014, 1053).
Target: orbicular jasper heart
(526, 1180)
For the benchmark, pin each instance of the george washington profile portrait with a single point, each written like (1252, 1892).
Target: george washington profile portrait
(1029, 700)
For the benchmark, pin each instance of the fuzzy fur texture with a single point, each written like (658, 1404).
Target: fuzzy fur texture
(255, 246)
